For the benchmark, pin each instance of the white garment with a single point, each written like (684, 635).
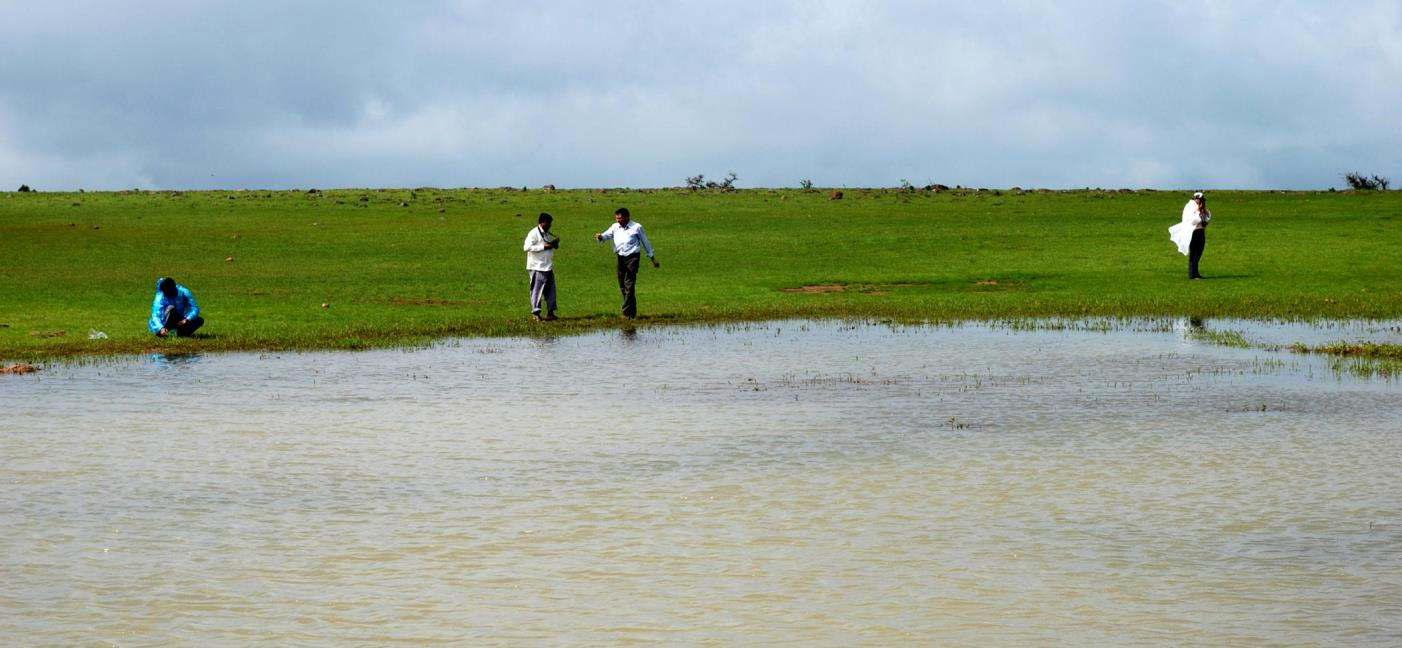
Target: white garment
(628, 239)
(537, 256)
(1182, 233)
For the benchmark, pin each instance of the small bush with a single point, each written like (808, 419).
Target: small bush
(1369, 183)
(699, 181)
(805, 184)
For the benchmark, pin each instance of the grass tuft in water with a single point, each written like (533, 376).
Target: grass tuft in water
(1221, 338)
(1361, 359)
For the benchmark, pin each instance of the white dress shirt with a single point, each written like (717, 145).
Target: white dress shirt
(627, 239)
(537, 256)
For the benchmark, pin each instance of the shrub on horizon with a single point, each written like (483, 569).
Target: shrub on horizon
(1359, 181)
(699, 181)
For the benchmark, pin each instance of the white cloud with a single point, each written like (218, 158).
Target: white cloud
(1023, 93)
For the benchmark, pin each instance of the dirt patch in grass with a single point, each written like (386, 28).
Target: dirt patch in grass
(815, 289)
(878, 289)
(425, 301)
(48, 334)
(863, 288)
(997, 284)
(882, 288)
(21, 368)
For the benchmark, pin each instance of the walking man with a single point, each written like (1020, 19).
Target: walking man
(628, 240)
(540, 249)
(173, 310)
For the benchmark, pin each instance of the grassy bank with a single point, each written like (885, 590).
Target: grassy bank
(404, 266)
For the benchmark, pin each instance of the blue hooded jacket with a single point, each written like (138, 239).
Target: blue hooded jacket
(184, 303)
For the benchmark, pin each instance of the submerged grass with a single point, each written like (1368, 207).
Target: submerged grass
(406, 266)
(1371, 350)
(1366, 367)
(1361, 359)
(1221, 338)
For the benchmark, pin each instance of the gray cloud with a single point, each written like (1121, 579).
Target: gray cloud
(263, 94)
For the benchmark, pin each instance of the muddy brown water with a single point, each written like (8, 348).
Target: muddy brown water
(801, 482)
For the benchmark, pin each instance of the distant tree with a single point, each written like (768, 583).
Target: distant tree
(805, 184)
(1370, 183)
(906, 186)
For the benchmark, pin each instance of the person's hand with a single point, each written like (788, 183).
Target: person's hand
(549, 245)
(161, 333)
(655, 264)
(599, 237)
(183, 322)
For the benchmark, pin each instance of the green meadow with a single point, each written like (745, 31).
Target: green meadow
(406, 266)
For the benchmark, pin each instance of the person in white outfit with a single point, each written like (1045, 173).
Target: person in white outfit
(1189, 234)
(540, 249)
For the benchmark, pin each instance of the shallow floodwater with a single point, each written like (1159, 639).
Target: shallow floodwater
(810, 483)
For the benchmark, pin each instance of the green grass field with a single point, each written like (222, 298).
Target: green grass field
(406, 266)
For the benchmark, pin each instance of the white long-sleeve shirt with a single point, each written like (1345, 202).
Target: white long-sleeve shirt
(627, 239)
(537, 256)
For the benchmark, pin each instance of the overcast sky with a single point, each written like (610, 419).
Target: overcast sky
(254, 93)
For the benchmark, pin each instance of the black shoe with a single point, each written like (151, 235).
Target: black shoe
(550, 317)
(537, 317)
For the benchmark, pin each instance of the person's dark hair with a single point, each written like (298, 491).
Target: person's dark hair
(545, 218)
(167, 285)
(622, 211)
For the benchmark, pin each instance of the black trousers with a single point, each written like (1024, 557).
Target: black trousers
(627, 282)
(171, 323)
(1195, 247)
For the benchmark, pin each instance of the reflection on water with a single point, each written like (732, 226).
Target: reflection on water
(805, 482)
(174, 360)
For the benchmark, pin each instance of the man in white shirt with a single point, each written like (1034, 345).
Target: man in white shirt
(540, 249)
(628, 239)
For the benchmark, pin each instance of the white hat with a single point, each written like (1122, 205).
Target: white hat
(1197, 195)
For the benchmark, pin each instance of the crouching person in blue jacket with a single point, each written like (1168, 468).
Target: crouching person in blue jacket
(174, 310)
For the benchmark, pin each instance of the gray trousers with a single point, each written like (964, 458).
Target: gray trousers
(628, 283)
(542, 289)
